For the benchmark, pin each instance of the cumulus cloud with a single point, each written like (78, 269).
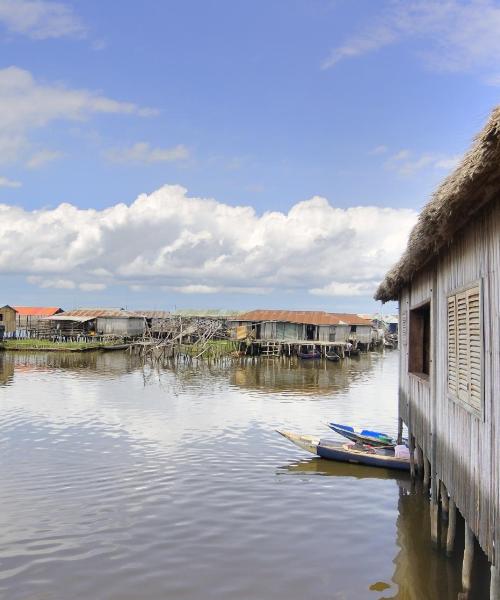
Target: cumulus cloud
(40, 19)
(27, 105)
(459, 35)
(198, 245)
(142, 152)
(9, 183)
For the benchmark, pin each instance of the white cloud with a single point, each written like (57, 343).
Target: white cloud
(198, 245)
(379, 150)
(40, 19)
(60, 284)
(43, 157)
(341, 288)
(92, 287)
(5, 182)
(142, 152)
(27, 105)
(407, 163)
(459, 35)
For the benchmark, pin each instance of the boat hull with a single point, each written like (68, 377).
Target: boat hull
(364, 436)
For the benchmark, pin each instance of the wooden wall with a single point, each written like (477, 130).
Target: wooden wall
(462, 445)
(8, 319)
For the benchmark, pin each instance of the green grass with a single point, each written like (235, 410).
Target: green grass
(33, 344)
(212, 349)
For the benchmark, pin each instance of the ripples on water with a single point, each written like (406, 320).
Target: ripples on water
(124, 483)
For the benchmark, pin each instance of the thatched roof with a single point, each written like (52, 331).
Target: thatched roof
(474, 183)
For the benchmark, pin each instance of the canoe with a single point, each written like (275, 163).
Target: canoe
(333, 357)
(116, 347)
(308, 355)
(349, 453)
(353, 352)
(366, 436)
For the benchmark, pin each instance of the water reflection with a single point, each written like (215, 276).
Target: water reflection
(124, 482)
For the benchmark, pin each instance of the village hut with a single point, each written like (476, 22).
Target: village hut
(103, 322)
(30, 320)
(301, 326)
(7, 321)
(448, 286)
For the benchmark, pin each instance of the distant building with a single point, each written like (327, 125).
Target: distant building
(297, 326)
(7, 321)
(97, 321)
(29, 319)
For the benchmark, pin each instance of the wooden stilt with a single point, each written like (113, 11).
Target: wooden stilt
(434, 521)
(420, 460)
(468, 558)
(445, 501)
(400, 430)
(411, 441)
(452, 523)
(427, 473)
(494, 583)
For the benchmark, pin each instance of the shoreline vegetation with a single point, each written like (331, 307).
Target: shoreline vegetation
(34, 345)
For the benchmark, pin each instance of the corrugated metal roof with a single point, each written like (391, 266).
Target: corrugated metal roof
(95, 313)
(152, 314)
(64, 317)
(37, 311)
(308, 317)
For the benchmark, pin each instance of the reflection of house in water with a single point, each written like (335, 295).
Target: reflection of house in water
(6, 370)
(286, 374)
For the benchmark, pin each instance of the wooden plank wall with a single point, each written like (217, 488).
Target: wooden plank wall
(467, 449)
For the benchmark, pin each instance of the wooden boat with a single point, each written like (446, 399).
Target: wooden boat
(308, 355)
(365, 436)
(353, 352)
(351, 453)
(332, 356)
(116, 347)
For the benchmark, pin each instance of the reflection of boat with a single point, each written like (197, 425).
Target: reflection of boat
(308, 355)
(353, 352)
(375, 438)
(351, 453)
(332, 356)
(329, 468)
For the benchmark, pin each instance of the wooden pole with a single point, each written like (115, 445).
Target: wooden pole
(494, 583)
(434, 521)
(420, 460)
(427, 473)
(468, 558)
(412, 455)
(445, 501)
(400, 430)
(452, 524)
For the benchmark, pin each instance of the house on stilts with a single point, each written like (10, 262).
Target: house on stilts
(448, 286)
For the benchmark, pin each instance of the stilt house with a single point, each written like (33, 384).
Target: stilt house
(448, 287)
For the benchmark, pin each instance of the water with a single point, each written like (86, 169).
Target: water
(124, 483)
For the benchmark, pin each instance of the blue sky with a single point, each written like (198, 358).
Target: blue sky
(296, 111)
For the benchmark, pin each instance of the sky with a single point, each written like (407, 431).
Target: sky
(227, 153)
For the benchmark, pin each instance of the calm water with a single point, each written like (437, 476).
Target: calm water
(120, 483)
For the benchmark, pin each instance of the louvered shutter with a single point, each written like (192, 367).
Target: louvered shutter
(452, 345)
(474, 325)
(464, 347)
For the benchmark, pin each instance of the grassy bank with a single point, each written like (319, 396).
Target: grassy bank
(48, 345)
(211, 349)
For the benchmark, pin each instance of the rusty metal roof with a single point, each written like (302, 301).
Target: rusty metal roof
(152, 314)
(37, 311)
(308, 317)
(106, 313)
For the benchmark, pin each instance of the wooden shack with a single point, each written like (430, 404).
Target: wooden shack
(448, 287)
(102, 322)
(301, 326)
(30, 320)
(7, 321)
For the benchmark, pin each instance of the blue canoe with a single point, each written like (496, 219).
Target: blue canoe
(366, 436)
(356, 454)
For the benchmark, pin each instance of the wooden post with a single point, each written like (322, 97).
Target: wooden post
(468, 558)
(411, 441)
(427, 473)
(494, 583)
(452, 523)
(434, 521)
(445, 501)
(420, 460)
(400, 430)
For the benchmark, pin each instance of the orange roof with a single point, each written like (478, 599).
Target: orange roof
(311, 317)
(37, 311)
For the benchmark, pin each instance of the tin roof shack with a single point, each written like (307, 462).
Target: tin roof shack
(103, 322)
(7, 321)
(31, 320)
(448, 286)
(300, 326)
(155, 321)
